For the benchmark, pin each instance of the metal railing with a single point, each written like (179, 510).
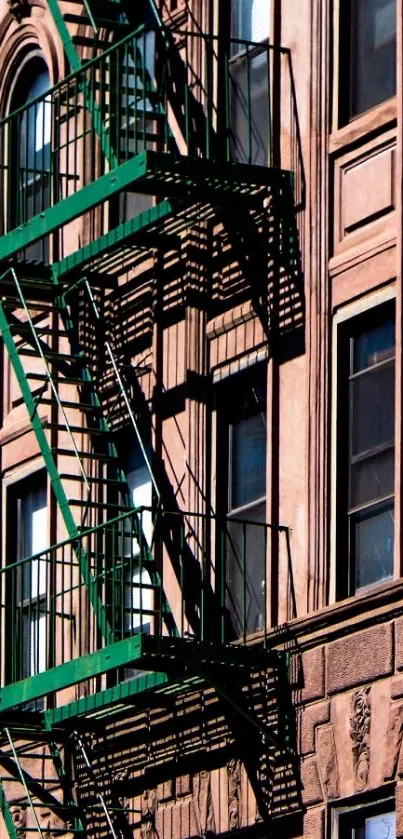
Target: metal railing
(209, 98)
(212, 571)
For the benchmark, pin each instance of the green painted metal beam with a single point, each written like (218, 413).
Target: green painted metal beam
(120, 654)
(76, 65)
(106, 699)
(57, 486)
(8, 819)
(65, 36)
(118, 235)
(74, 205)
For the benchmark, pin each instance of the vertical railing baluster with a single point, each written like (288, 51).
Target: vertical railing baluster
(265, 592)
(244, 605)
(182, 578)
(249, 104)
(269, 94)
(223, 576)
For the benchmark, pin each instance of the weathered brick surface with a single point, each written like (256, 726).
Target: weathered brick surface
(313, 671)
(314, 823)
(397, 687)
(359, 658)
(399, 810)
(327, 761)
(312, 716)
(393, 740)
(311, 787)
(399, 643)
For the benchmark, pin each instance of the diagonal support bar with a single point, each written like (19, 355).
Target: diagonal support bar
(57, 486)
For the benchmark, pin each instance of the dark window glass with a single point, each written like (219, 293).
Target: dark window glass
(249, 81)
(372, 53)
(371, 431)
(246, 537)
(248, 460)
(33, 581)
(368, 823)
(28, 581)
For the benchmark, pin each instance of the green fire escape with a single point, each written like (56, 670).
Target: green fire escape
(133, 118)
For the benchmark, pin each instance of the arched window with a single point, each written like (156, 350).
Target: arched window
(29, 184)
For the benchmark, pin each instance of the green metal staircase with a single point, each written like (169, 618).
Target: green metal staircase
(95, 17)
(84, 467)
(36, 793)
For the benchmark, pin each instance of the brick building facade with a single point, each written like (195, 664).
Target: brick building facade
(200, 443)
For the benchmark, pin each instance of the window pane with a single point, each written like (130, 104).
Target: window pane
(373, 53)
(374, 346)
(372, 533)
(250, 109)
(381, 827)
(372, 478)
(246, 563)
(248, 460)
(373, 408)
(250, 19)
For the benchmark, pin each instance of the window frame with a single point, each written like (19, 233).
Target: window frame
(20, 74)
(345, 329)
(346, 818)
(255, 375)
(344, 71)
(15, 492)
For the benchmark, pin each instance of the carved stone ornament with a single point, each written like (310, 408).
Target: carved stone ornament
(148, 811)
(19, 9)
(19, 817)
(234, 769)
(360, 725)
(204, 802)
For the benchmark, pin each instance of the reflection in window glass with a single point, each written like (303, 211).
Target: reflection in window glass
(246, 540)
(381, 827)
(372, 53)
(371, 455)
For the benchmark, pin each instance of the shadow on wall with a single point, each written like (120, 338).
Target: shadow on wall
(183, 764)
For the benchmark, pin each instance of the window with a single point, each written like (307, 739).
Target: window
(27, 519)
(249, 81)
(366, 451)
(138, 590)
(250, 19)
(137, 112)
(242, 442)
(29, 183)
(368, 38)
(369, 822)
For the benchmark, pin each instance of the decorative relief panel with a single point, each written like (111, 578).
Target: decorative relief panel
(327, 761)
(393, 740)
(234, 769)
(19, 817)
(19, 8)
(365, 194)
(204, 802)
(148, 810)
(360, 725)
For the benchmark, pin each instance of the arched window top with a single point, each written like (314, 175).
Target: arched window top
(29, 185)
(33, 80)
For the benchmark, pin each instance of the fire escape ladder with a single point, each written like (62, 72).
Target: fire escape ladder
(98, 16)
(133, 77)
(35, 792)
(84, 469)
